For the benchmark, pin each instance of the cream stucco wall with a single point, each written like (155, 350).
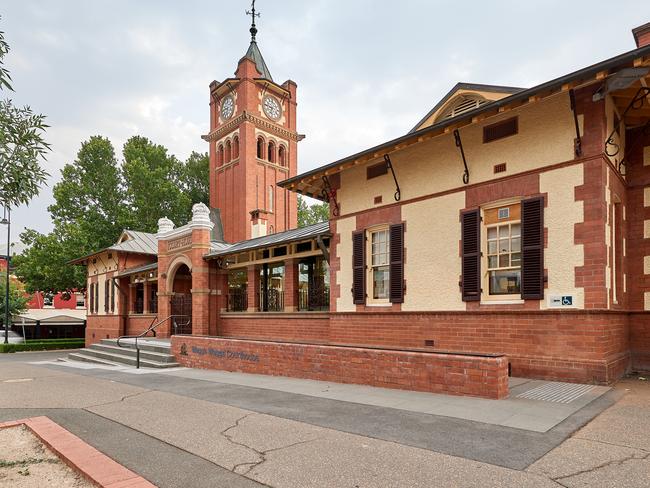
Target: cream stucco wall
(433, 263)
(102, 265)
(344, 228)
(433, 232)
(546, 130)
(562, 213)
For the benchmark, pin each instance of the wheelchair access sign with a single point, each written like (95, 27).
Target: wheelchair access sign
(560, 301)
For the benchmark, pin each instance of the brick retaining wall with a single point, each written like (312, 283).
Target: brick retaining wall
(458, 374)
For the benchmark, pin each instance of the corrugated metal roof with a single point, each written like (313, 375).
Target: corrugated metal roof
(138, 269)
(322, 228)
(139, 242)
(217, 246)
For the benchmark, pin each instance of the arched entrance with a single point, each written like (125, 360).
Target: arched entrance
(181, 301)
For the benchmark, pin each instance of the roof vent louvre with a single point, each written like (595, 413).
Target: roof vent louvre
(464, 104)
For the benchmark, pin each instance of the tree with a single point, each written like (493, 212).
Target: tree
(43, 266)
(152, 186)
(21, 145)
(312, 214)
(194, 178)
(17, 297)
(90, 198)
(97, 198)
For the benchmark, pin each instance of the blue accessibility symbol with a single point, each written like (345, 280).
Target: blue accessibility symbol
(567, 301)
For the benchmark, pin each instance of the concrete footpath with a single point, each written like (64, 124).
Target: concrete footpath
(188, 428)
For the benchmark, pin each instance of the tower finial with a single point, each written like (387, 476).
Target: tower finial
(251, 12)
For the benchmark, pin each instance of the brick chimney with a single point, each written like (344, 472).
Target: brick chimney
(642, 35)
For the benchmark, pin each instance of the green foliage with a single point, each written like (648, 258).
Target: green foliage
(89, 198)
(312, 214)
(43, 345)
(98, 197)
(17, 297)
(153, 185)
(43, 266)
(194, 178)
(21, 145)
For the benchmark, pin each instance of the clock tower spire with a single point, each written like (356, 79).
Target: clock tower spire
(253, 146)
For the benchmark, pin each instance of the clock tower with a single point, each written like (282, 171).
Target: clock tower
(253, 146)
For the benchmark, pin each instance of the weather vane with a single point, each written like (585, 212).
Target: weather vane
(251, 12)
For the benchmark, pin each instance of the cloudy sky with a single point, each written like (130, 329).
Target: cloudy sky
(366, 70)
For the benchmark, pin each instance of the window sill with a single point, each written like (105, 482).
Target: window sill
(388, 304)
(502, 302)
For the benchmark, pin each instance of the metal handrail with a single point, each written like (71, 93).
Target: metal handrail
(152, 328)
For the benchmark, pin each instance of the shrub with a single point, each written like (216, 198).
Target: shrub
(43, 345)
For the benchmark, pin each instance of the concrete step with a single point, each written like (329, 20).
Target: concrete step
(145, 353)
(149, 344)
(114, 356)
(80, 356)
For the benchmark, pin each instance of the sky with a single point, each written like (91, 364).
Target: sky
(367, 71)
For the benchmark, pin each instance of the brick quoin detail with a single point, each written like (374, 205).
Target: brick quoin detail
(456, 374)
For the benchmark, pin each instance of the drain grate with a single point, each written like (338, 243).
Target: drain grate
(556, 392)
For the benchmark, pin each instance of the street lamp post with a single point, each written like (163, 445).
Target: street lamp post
(7, 221)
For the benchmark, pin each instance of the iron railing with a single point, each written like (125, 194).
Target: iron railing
(237, 300)
(271, 300)
(151, 329)
(314, 299)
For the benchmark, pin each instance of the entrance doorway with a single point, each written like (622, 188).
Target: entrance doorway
(181, 302)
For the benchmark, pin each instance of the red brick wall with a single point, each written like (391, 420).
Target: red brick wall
(563, 345)
(638, 283)
(285, 327)
(457, 374)
(100, 327)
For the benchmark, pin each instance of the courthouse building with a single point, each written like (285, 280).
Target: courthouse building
(509, 222)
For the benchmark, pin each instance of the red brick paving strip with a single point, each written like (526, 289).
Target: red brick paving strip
(83, 458)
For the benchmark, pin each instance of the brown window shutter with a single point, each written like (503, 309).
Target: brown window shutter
(532, 248)
(471, 261)
(359, 267)
(97, 297)
(397, 263)
(91, 298)
(112, 296)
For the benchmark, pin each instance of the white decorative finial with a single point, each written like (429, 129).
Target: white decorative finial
(165, 225)
(200, 213)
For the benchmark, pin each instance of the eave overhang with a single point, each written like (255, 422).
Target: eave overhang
(311, 183)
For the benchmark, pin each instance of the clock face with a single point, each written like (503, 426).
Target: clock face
(272, 107)
(227, 107)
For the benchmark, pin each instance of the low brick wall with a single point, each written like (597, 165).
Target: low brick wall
(295, 326)
(458, 374)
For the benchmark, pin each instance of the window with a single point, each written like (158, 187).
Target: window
(270, 203)
(235, 147)
(220, 155)
(271, 152)
(504, 258)
(228, 155)
(260, 148)
(237, 290)
(379, 267)
(282, 156)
